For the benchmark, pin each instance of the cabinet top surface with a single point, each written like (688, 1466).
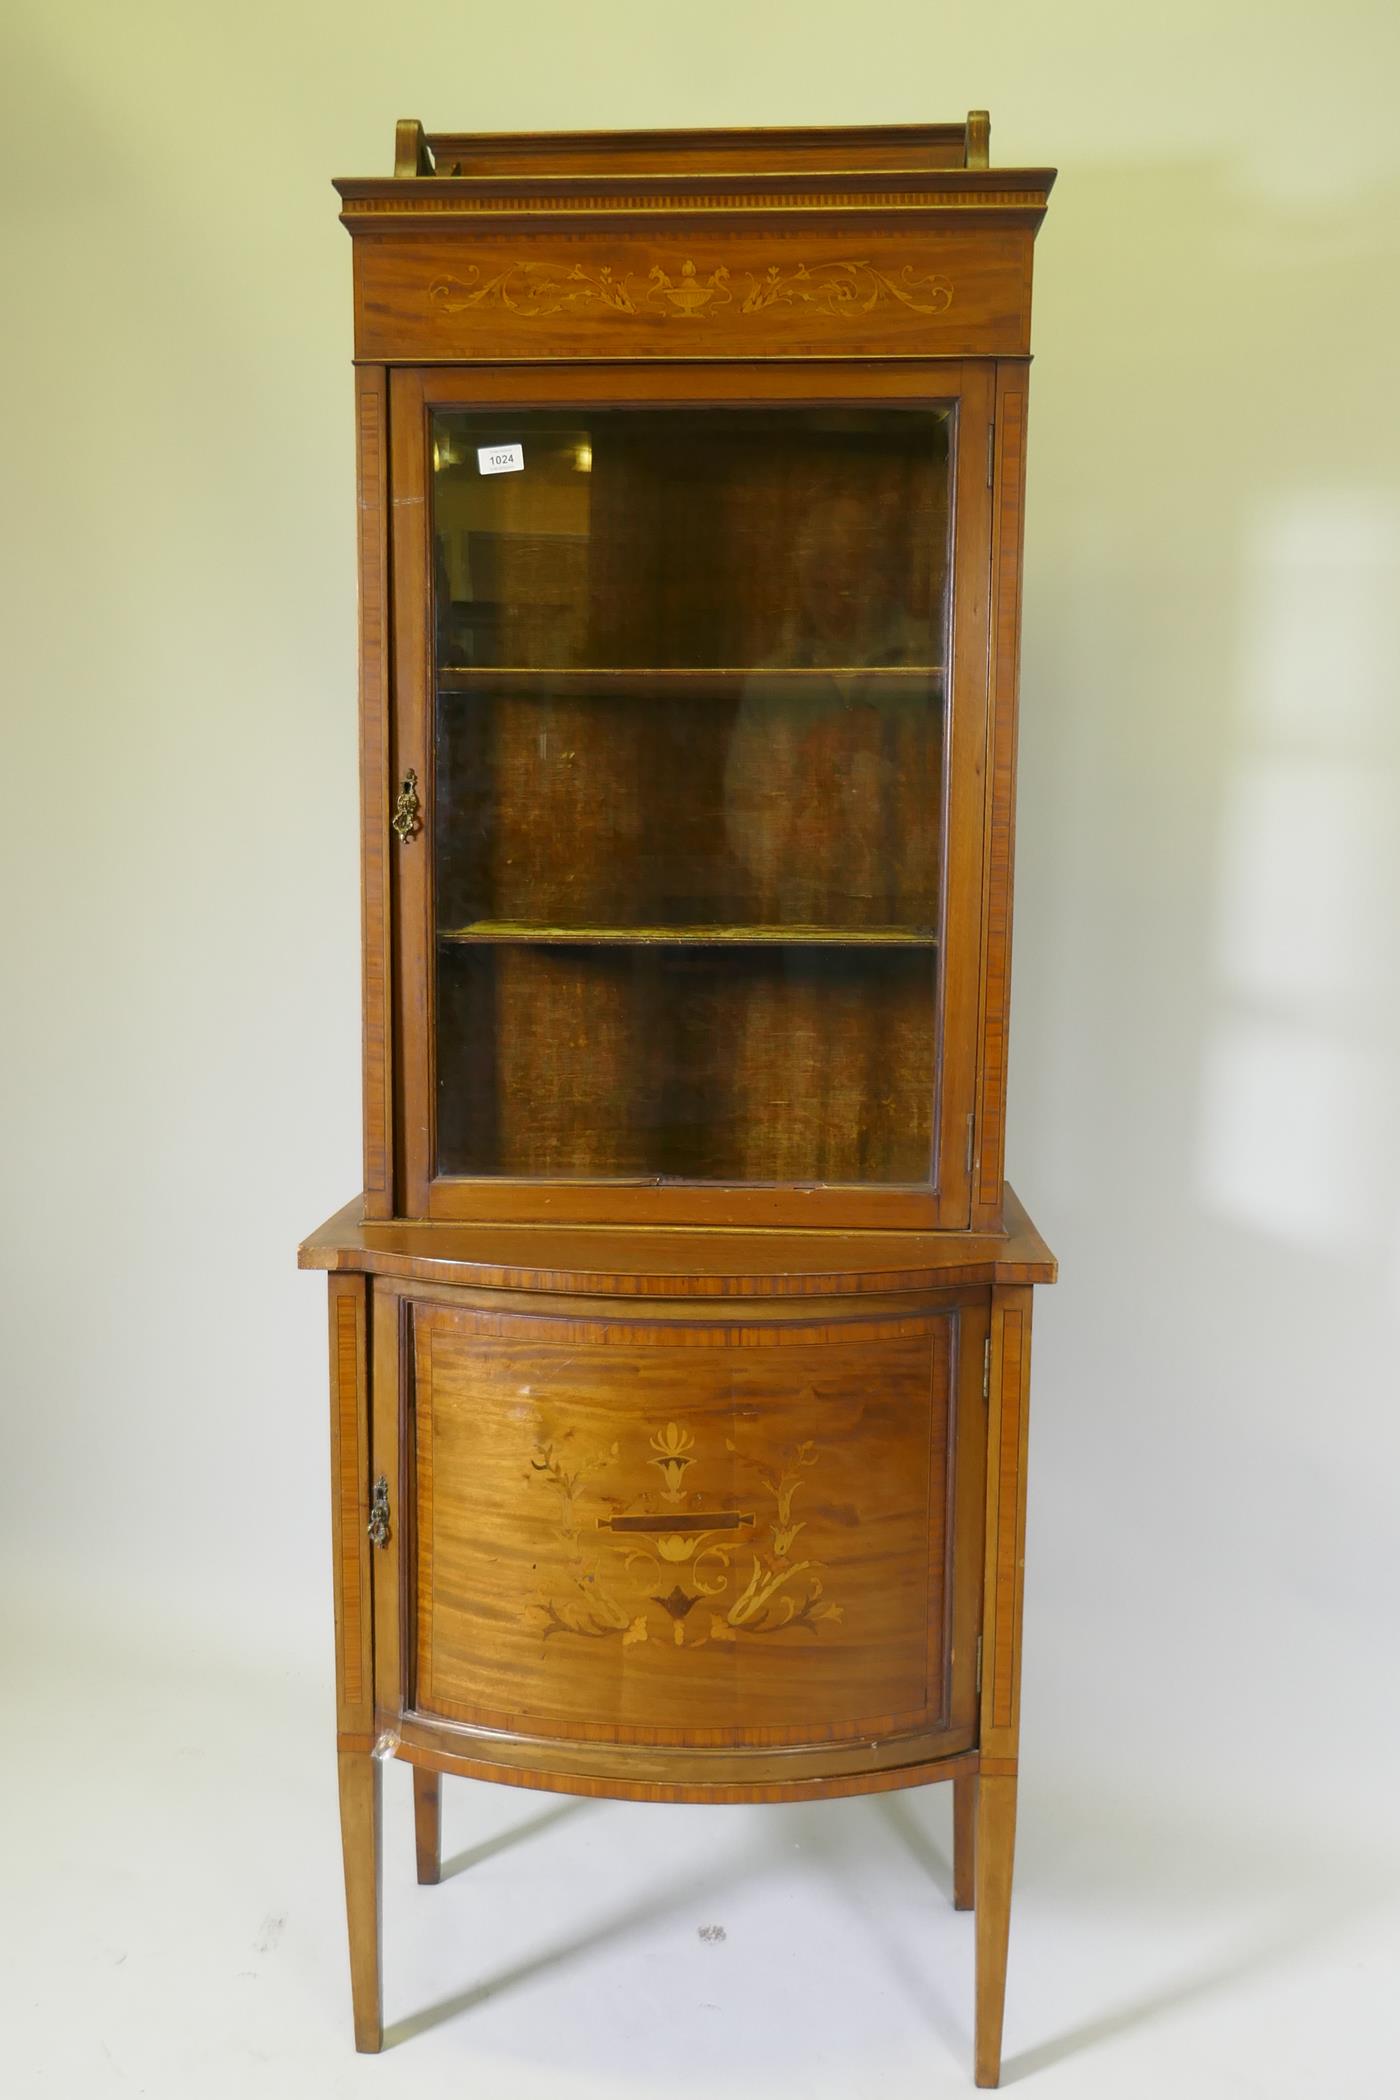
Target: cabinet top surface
(872, 167)
(679, 1261)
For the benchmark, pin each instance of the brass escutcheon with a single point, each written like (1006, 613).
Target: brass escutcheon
(405, 817)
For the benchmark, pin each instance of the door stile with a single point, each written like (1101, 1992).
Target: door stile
(960, 972)
(413, 659)
(388, 1559)
(1009, 473)
(372, 474)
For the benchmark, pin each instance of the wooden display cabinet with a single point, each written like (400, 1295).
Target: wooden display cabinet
(680, 1338)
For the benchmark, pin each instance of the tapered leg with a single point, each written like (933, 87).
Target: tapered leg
(427, 1824)
(964, 1849)
(360, 1842)
(996, 1844)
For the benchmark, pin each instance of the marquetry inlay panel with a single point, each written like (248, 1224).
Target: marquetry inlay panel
(735, 292)
(681, 1533)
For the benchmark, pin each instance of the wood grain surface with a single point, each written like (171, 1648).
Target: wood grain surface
(1010, 471)
(772, 1063)
(995, 1847)
(739, 150)
(361, 1842)
(372, 466)
(354, 1652)
(679, 1262)
(427, 1826)
(655, 1534)
(472, 295)
(1004, 1581)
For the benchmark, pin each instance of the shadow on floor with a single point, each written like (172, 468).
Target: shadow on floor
(517, 1835)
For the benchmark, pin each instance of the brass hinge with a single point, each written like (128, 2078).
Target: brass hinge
(991, 450)
(404, 821)
(987, 1368)
(979, 1665)
(378, 1526)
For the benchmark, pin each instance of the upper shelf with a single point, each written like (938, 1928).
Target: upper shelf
(719, 679)
(521, 932)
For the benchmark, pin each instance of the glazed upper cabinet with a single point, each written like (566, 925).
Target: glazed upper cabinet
(687, 675)
(694, 902)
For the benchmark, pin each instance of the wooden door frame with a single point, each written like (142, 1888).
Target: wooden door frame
(414, 391)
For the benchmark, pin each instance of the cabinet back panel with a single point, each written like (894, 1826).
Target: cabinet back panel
(776, 1063)
(774, 799)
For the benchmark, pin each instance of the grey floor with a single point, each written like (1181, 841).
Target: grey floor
(172, 1926)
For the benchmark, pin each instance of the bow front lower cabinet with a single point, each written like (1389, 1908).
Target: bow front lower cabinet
(680, 1338)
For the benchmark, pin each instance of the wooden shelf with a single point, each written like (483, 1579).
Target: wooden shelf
(720, 679)
(522, 933)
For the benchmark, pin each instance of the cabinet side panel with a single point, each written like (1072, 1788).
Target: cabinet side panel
(412, 706)
(350, 1502)
(965, 814)
(372, 496)
(1001, 814)
(1006, 1528)
(968, 1504)
(386, 1463)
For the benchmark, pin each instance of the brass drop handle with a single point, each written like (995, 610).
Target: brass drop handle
(379, 1513)
(404, 821)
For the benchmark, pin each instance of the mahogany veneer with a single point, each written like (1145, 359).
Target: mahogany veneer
(680, 1340)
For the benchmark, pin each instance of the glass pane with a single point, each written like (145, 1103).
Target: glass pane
(691, 537)
(764, 799)
(774, 1063)
(688, 783)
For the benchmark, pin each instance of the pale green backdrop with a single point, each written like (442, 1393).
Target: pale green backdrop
(1204, 1084)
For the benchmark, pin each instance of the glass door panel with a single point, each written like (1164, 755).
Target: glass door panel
(690, 538)
(690, 680)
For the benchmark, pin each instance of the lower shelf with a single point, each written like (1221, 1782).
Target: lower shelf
(528, 934)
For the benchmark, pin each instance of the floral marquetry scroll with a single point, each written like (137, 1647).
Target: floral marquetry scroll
(732, 1572)
(686, 1546)
(531, 288)
(689, 291)
(848, 288)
